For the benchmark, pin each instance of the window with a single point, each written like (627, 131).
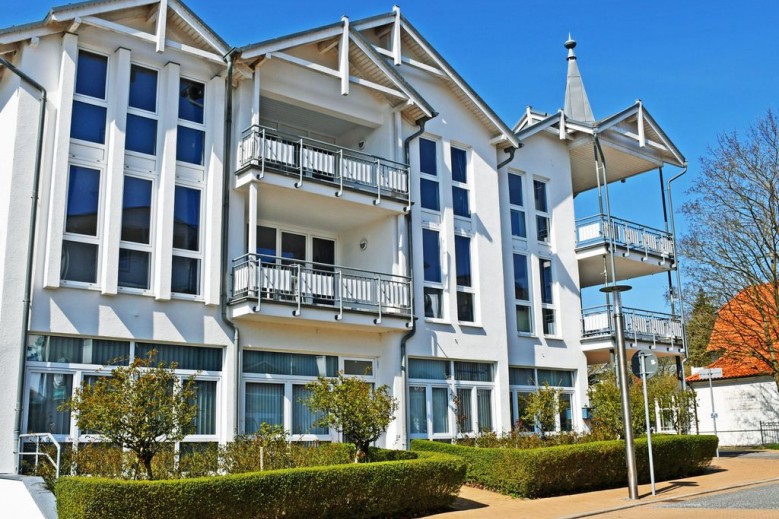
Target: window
(524, 381)
(547, 296)
(460, 192)
(431, 257)
(522, 294)
(82, 226)
(275, 392)
(142, 111)
(135, 248)
(465, 293)
(517, 209)
(449, 397)
(88, 120)
(191, 129)
(428, 168)
(185, 276)
(56, 365)
(542, 211)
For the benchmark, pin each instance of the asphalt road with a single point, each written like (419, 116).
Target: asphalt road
(760, 498)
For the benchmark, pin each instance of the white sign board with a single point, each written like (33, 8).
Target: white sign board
(705, 373)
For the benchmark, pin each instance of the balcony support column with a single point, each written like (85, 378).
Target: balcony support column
(256, 96)
(251, 242)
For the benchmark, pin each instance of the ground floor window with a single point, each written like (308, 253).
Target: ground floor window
(525, 381)
(56, 365)
(450, 398)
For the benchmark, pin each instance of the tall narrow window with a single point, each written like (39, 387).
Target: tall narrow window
(88, 122)
(428, 168)
(517, 206)
(460, 191)
(542, 211)
(191, 128)
(142, 111)
(185, 277)
(418, 409)
(82, 236)
(547, 297)
(522, 293)
(431, 257)
(135, 247)
(465, 296)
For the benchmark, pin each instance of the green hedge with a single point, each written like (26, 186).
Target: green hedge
(567, 469)
(390, 488)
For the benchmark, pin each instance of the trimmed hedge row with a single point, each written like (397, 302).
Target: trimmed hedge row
(390, 488)
(567, 469)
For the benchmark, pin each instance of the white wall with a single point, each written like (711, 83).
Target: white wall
(741, 404)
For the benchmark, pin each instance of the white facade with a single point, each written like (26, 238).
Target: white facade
(331, 239)
(741, 405)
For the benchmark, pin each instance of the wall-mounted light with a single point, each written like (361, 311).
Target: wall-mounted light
(364, 244)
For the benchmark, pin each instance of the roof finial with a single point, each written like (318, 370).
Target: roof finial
(570, 44)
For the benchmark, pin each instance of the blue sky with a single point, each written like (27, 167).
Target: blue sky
(700, 67)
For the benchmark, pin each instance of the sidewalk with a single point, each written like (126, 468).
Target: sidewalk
(731, 470)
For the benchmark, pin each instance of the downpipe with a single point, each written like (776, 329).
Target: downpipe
(31, 238)
(410, 268)
(678, 273)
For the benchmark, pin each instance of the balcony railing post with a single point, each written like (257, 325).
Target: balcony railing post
(299, 283)
(299, 183)
(340, 173)
(377, 164)
(261, 151)
(378, 299)
(340, 295)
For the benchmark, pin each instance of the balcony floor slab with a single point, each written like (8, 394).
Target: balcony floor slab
(629, 264)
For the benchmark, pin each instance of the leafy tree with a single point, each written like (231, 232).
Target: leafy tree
(141, 407)
(541, 408)
(699, 327)
(732, 245)
(352, 407)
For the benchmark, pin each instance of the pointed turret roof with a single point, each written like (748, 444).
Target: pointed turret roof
(577, 106)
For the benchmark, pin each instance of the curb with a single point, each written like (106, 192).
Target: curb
(669, 498)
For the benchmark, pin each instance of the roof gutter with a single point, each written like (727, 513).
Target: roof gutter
(410, 269)
(226, 177)
(31, 238)
(511, 151)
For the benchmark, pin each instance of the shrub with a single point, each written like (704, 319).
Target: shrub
(576, 468)
(392, 488)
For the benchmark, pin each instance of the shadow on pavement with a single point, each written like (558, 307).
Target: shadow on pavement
(466, 504)
(669, 486)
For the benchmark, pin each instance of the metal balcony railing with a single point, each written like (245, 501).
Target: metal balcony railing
(269, 149)
(640, 325)
(647, 240)
(305, 283)
(38, 453)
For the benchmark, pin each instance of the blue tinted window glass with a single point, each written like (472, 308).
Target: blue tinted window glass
(518, 224)
(133, 269)
(83, 200)
(136, 210)
(91, 74)
(79, 262)
(521, 280)
(143, 88)
(431, 255)
(189, 145)
(141, 134)
(546, 280)
(462, 250)
(191, 99)
(515, 190)
(429, 194)
(185, 276)
(186, 219)
(88, 123)
(460, 202)
(427, 157)
(459, 165)
(266, 243)
(539, 190)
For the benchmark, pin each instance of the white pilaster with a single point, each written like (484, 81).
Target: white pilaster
(343, 57)
(114, 174)
(169, 103)
(59, 176)
(256, 96)
(162, 25)
(214, 191)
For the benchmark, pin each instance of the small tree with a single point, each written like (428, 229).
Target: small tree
(699, 327)
(541, 408)
(352, 407)
(140, 407)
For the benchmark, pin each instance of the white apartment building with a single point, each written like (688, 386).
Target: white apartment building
(333, 200)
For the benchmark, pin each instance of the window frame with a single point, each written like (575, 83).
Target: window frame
(552, 304)
(465, 186)
(517, 389)
(185, 253)
(95, 240)
(429, 176)
(155, 115)
(141, 247)
(192, 125)
(436, 285)
(517, 209)
(467, 289)
(95, 101)
(541, 214)
(523, 302)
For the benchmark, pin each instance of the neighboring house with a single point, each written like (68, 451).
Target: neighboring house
(333, 200)
(746, 396)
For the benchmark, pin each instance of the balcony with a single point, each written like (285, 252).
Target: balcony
(639, 250)
(280, 289)
(643, 329)
(323, 168)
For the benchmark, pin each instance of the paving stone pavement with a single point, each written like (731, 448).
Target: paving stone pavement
(702, 497)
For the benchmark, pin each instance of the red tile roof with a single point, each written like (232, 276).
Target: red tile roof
(737, 368)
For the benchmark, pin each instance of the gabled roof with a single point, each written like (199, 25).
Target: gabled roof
(410, 38)
(107, 14)
(736, 368)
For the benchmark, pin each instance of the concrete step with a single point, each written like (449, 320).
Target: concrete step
(26, 497)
